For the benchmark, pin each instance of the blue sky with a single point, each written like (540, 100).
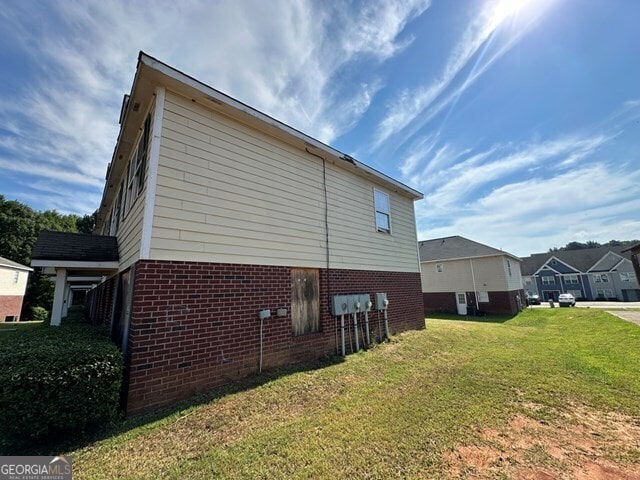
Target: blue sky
(519, 120)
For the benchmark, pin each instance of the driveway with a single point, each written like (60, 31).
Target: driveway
(630, 316)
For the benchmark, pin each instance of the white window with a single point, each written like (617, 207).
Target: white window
(527, 281)
(383, 211)
(604, 293)
(116, 214)
(137, 168)
(16, 277)
(627, 277)
(601, 278)
(439, 268)
(570, 279)
(548, 280)
(575, 293)
(483, 297)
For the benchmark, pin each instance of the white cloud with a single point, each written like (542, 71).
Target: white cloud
(426, 101)
(280, 56)
(533, 215)
(448, 187)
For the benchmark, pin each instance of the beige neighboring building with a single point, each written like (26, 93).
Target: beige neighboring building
(13, 284)
(462, 276)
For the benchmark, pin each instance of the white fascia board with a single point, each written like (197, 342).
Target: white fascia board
(75, 264)
(553, 257)
(545, 267)
(219, 97)
(152, 176)
(16, 267)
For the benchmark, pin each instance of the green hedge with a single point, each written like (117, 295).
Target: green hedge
(56, 382)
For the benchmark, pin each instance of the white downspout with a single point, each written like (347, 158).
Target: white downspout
(475, 291)
(344, 352)
(152, 177)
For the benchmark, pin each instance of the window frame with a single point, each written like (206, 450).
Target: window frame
(377, 211)
(627, 276)
(571, 276)
(552, 277)
(601, 277)
(134, 181)
(439, 268)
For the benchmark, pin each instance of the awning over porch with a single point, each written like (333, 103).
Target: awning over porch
(77, 260)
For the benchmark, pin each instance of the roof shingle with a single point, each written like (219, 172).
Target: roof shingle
(448, 248)
(75, 247)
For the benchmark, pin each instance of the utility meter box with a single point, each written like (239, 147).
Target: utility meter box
(365, 302)
(354, 304)
(341, 304)
(381, 301)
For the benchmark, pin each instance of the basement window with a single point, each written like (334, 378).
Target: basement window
(383, 211)
(305, 301)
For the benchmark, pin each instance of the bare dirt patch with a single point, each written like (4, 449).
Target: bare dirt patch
(580, 443)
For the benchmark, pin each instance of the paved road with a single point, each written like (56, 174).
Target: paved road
(605, 305)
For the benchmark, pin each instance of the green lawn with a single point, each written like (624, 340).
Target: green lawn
(396, 411)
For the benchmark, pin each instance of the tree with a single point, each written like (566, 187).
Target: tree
(19, 227)
(85, 224)
(18, 231)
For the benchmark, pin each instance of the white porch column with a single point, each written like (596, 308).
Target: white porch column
(59, 296)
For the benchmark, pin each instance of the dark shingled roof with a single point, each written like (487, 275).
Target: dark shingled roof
(75, 247)
(582, 260)
(448, 248)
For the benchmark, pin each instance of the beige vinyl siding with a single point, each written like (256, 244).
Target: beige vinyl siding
(130, 233)
(514, 282)
(490, 275)
(231, 194)
(8, 287)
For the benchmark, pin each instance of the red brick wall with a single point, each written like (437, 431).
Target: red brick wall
(10, 306)
(195, 325)
(500, 303)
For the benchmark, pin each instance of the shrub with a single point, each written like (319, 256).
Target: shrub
(39, 314)
(56, 382)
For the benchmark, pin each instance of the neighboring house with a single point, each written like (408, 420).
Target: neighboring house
(13, 284)
(222, 213)
(463, 276)
(602, 273)
(635, 258)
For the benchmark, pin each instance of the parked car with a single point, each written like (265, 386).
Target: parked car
(533, 299)
(566, 300)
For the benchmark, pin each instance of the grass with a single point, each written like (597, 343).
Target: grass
(6, 328)
(395, 411)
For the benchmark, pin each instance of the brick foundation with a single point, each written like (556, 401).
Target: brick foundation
(10, 306)
(500, 303)
(195, 325)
